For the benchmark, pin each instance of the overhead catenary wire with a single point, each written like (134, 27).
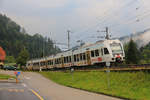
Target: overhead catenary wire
(104, 19)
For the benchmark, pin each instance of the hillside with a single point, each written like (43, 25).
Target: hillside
(13, 38)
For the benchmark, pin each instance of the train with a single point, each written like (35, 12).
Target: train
(98, 53)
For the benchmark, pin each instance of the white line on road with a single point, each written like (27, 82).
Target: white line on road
(27, 77)
(24, 85)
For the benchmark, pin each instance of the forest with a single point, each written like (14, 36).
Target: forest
(14, 38)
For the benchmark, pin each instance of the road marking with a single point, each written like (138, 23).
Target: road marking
(24, 85)
(37, 95)
(16, 90)
(27, 78)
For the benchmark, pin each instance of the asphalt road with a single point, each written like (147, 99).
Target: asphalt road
(44, 89)
(52, 91)
(13, 91)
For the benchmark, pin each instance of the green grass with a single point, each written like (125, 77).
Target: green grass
(5, 77)
(133, 85)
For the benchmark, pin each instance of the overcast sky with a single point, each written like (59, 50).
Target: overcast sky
(83, 18)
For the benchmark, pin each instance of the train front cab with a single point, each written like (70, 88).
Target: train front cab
(117, 52)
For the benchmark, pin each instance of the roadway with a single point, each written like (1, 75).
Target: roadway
(44, 89)
(13, 91)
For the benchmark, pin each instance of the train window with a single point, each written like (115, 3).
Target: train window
(106, 51)
(96, 53)
(55, 61)
(81, 58)
(41, 64)
(101, 51)
(69, 58)
(78, 57)
(59, 61)
(49, 62)
(75, 59)
(52, 62)
(84, 58)
(64, 59)
(92, 53)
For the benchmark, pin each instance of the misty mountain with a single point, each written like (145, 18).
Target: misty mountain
(141, 38)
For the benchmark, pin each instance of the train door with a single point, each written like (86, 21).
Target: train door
(62, 61)
(106, 54)
(88, 57)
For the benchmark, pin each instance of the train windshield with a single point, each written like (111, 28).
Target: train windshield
(116, 48)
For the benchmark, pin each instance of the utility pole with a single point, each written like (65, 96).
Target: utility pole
(107, 33)
(68, 39)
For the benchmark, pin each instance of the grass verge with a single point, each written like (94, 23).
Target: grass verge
(132, 85)
(5, 77)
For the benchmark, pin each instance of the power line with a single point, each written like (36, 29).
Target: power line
(105, 18)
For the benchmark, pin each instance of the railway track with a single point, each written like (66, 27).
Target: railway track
(116, 68)
(136, 67)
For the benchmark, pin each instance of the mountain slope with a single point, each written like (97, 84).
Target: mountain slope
(13, 38)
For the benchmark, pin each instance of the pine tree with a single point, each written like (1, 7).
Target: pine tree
(133, 54)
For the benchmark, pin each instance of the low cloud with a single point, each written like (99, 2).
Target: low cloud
(82, 17)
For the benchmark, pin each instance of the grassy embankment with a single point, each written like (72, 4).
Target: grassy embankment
(5, 77)
(133, 85)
